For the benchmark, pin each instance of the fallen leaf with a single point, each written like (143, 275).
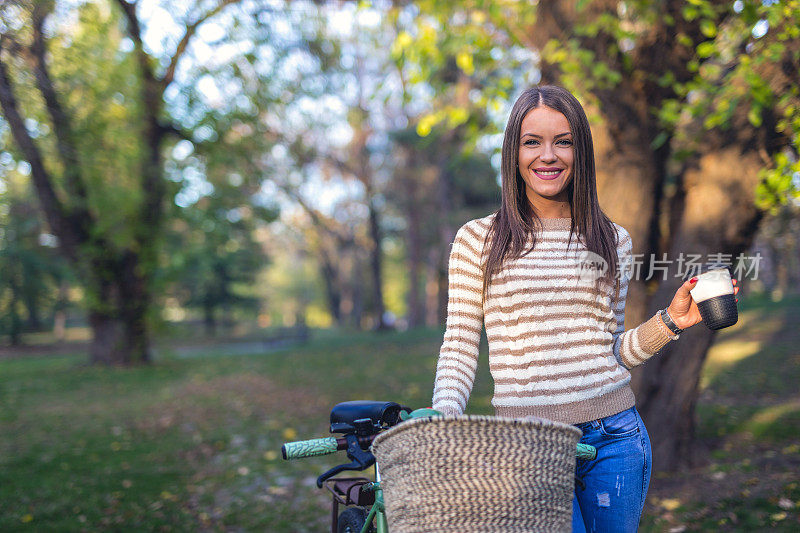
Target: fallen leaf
(785, 504)
(270, 455)
(670, 504)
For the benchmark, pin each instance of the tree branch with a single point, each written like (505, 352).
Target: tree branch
(152, 181)
(318, 219)
(171, 128)
(154, 129)
(61, 123)
(183, 44)
(135, 33)
(52, 206)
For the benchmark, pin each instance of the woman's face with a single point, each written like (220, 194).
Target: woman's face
(546, 155)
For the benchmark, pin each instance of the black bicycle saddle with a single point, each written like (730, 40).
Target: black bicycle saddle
(372, 416)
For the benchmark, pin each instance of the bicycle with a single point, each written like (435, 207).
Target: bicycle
(359, 422)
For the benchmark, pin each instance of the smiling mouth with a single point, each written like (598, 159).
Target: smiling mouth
(548, 174)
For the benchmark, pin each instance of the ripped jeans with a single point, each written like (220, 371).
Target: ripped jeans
(610, 490)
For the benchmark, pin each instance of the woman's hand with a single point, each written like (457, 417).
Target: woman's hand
(683, 310)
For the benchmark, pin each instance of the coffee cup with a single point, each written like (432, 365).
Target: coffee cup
(714, 295)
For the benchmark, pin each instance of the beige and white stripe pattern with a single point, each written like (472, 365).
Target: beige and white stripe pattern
(558, 348)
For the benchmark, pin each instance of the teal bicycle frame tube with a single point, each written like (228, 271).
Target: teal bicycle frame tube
(378, 511)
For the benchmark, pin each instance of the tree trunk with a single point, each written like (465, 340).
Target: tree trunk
(332, 291)
(627, 184)
(376, 261)
(119, 320)
(108, 344)
(118, 341)
(209, 321)
(442, 284)
(432, 288)
(15, 331)
(416, 304)
(357, 292)
(447, 231)
(667, 385)
(59, 314)
(34, 321)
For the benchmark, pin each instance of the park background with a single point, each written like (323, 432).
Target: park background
(219, 219)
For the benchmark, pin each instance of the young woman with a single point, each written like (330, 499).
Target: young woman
(543, 275)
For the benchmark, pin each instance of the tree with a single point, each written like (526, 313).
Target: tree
(471, 189)
(29, 273)
(332, 241)
(448, 96)
(695, 116)
(213, 255)
(99, 177)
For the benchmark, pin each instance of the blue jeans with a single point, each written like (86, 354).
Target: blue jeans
(614, 486)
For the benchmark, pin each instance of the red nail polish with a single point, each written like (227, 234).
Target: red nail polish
(693, 280)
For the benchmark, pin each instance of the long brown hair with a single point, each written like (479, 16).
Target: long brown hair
(516, 219)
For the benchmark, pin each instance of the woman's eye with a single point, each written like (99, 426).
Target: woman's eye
(533, 142)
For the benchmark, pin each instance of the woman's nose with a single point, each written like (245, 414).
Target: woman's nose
(548, 154)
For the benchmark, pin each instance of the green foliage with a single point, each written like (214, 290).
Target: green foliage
(97, 74)
(30, 272)
(727, 80)
(100, 86)
(471, 54)
(214, 257)
(292, 288)
(779, 185)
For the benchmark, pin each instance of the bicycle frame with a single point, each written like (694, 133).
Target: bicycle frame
(378, 511)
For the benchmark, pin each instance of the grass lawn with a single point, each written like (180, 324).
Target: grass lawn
(193, 443)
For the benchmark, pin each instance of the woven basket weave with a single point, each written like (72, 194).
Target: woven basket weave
(471, 473)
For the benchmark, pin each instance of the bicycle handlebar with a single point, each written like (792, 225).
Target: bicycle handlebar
(309, 448)
(328, 445)
(324, 446)
(586, 452)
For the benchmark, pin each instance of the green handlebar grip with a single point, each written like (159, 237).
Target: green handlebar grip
(419, 413)
(586, 451)
(309, 448)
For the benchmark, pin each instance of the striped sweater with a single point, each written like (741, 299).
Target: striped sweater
(558, 348)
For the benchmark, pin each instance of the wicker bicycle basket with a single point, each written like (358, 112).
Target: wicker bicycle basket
(471, 473)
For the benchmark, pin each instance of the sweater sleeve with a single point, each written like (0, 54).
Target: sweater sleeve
(458, 356)
(634, 346)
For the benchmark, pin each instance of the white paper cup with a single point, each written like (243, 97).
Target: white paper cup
(714, 295)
